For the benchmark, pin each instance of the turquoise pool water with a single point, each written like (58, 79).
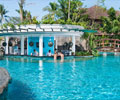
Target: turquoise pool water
(74, 79)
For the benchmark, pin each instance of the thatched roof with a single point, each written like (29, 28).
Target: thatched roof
(117, 13)
(95, 12)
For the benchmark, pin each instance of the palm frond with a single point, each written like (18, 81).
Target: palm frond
(21, 2)
(47, 8)
(18, 11)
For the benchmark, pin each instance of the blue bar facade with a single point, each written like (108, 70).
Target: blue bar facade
(35, 42)
(46, 48)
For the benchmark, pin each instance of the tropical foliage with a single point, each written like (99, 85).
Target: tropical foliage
(111, 24)
(66, 12)
(90, 43)
(52, 9)
(87, 53)
(69, 12)
(21, 5)
(3, 13)
(25, 16)
(82, 53)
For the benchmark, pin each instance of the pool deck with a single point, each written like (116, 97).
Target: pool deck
(66, 57)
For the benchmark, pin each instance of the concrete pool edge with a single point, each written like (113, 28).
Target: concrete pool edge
(51, 57)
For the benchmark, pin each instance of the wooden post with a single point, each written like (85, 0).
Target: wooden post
(103, 43)
(114, 43)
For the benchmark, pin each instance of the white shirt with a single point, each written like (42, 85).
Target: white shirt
(49, 54)
(35, 53)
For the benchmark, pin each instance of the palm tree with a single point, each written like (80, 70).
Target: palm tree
(63, 6)
(21, 4)
(69, 10)
(26, 15)
(3, 12)
(52, 9)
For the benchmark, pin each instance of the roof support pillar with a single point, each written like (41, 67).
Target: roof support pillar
(41, 46)
(55, 39)
(27, 45)
(6, 48)
(73, 47)
(22, 45)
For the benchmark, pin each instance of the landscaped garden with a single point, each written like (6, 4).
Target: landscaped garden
(81, 32)
(105, 21)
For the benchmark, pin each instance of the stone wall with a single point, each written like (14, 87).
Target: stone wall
(79, 42)
(4, 81)
(4, 95)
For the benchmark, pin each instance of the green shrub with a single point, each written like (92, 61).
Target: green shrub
(82, 53)
(87, 53)
(95, 52)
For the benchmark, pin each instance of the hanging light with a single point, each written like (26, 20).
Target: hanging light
(31, 44)
(50, 43)
(70, 44)
(65, 44)
(4, 44)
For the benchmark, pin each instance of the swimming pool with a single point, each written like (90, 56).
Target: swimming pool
(91, 78)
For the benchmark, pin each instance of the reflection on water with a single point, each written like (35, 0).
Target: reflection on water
(73, 66)
(7, 62)
(74, 79)
(48, 60)
(40, 64)
(41, 73)
(109, 53)
(20, 91)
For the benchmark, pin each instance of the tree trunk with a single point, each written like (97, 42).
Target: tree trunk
(21, 14)
(69, 10)
(88, 43)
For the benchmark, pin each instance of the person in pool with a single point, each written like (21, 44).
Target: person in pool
(58, 54)
(55, 55)
(61, 55)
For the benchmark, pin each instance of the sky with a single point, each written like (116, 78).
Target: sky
(36, 6)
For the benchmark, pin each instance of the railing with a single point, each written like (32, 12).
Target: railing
(108, 44)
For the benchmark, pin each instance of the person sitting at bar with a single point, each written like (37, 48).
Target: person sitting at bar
(35, 53)
(49, 53)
